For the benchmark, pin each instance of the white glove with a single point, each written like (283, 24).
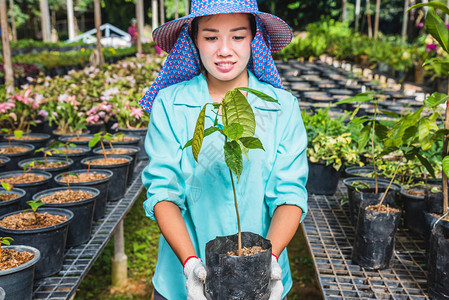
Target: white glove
(195, 272)
(276, 280)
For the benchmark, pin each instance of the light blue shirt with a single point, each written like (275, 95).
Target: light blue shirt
(203, 190)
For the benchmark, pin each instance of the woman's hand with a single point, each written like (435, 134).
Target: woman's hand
(195, 272)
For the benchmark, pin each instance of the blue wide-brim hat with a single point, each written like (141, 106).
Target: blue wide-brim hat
(280, 33)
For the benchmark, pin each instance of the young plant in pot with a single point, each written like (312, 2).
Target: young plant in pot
(15, 151)
(42, 228)
(239, 264)
(17, 264)
(10, 198)
(70, 150)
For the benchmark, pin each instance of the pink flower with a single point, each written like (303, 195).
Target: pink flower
(431, 47)
(4, 107)
(420, 25)
(136, 112)
(43, 113)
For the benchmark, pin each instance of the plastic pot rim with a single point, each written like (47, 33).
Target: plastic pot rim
(88, 189)
(91, 158)
(47, 175)
(30, 148)
(106, 172)
(69, 162)
(17, 191)
(33, 261)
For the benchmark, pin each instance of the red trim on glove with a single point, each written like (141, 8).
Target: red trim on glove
(188, 258)
(275, 256)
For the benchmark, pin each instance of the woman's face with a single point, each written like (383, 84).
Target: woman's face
(223, 43)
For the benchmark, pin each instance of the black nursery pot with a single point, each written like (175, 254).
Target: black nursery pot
(433, 202)
(50, 241)
(30, 188)
(18, 282)
(364, 171)
(133, 152)
(4, 160)
(64, 167)
(368, 194)
(84, 139)
(39, 140)
(374, 237)
(15, 157)
(438, 264)
(101, 185)
(11, 205)
(237, 277)
(141, 133)
(118, 182)
(429, 223)
(76, 157)
(414, 206)
(83, 212)
(322, 180)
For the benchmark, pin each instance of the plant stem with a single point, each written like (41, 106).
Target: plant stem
(372, 148)
(88, 168)
(388, 187)
(238, 216)
(104, 150)
(445, 153)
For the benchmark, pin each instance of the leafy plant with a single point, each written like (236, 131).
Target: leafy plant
(16, 133)
(34, 206)
(100, 136)
(5, 241)
(238, 131)
(7, 186)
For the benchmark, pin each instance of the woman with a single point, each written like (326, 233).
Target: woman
(219, 46)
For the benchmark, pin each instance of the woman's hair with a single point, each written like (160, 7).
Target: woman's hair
(194, 26)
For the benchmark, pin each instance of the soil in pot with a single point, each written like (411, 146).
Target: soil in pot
(38, 140)
(438, 264)
(323, 180)
(48, 234)
(414, 205)
(74, 153)
(358, 196)
(119, 165)
(80, 140)
(10, 200)
(374, 237)
(15, 152)
(98, 179)
(17, 271)
(80, 201)
(132, 151)
(141, 133)
(238, 277)
(54, 166)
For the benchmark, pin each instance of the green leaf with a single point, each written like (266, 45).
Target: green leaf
(233, 131)
(446, 165)
(437, 28)
(245, 150)
(18, 133)
(236, 109)
(363, 137)
(93, 141)
(259, 94)
(437, 5)
(35, 204)
(435, 99)
(426, 129)
(381, 131)
(389, 113)
(362, 97)
(7, 186)
(440, 133)
(425, 162)
(436, 60)
(207, 132)
(6, 240)
(233, 158)
(198, 135)
(409, 133)
(251, 143)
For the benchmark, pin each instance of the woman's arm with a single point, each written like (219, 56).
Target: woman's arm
(173, 227)
(283, 226)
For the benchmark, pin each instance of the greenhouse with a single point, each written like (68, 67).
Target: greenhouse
(224, 149)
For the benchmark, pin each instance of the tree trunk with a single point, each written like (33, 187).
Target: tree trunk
(187, 6)
(176, 9)
(368, 17)
(154, 14)
(70, 19)
(13, 21)
(357, 15)
(376, 19)
(98, 61)
(139, 9)
(404, 22)
(162, 11)
(343, 11)
(45, 21)
(9, 76)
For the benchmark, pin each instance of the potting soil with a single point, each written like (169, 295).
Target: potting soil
(24, 178)
(66, 196)
(11, 258)
(28, 221)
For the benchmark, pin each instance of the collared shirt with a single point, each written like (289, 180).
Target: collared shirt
(203, 190)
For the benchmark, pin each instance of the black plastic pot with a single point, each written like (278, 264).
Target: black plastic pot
(433, 202)
(72, 139)
(4, 160)
(76, 157)
(41, 140)
(374, 237)
(101, 185)
(57, 135)
(413, 209)
(322, 180)
(141, 133)
(95, 128)
(133, 152)
(53, 171)
(50, 241)
(11, 205)
(18, 282)
(364, 171)
(368, 194)
(237, 277)
(438, 264)
(83, 211)
(429, 223)
(118, 182)
(30, 188)
(14, 158)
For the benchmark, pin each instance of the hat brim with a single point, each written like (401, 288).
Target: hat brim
(165, 36)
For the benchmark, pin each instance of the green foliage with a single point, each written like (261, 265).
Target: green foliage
(6, 240)
(34, 205)
(7, 186)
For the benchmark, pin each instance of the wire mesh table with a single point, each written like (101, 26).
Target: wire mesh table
(78, 260)
(330, 236)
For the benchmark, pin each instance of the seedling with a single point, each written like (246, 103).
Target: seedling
(7, 186)
(101, 136)
(67, 180)
(34, 206)
(17, 133)
(50, 152)
(28, 167)
(239, 129)
(5, 241)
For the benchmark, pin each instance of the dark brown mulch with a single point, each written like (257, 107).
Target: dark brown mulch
(11, 258)
(108, 161)
(247, 251)
(8, 197)
(13, 150)
(117, 151)
(82, 177)
(79, 139)
(415, 193)
(66, 196)
(383, 208)
(27, 220)
(24, 178)
(50, 165)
